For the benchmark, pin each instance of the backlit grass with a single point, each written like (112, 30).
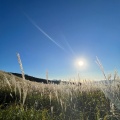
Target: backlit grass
(25, 100)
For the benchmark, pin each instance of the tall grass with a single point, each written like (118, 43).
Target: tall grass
(63, 101)
(23, 99)
(111, 89)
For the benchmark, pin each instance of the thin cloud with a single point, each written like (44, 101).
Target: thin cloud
(69, 46)
(51, 39)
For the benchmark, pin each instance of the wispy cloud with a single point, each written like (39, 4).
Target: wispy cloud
(69, 46)
(43, 32)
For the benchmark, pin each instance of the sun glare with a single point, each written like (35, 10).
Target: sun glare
(81, 63)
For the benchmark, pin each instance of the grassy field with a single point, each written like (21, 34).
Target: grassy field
(24, 100)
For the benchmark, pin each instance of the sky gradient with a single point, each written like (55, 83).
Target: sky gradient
(52, 34)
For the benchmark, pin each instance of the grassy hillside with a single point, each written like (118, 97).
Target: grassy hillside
(34, 79)
(26, 100)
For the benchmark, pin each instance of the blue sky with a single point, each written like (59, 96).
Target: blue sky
(52, 34)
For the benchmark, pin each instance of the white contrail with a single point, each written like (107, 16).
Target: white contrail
(44, 32)
(69, 46)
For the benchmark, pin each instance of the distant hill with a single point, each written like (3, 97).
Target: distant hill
(109, 82)
(31, 78)
(35, 79)
(28, 77)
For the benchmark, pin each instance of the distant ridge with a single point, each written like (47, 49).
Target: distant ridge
(35, 79)
(18, 76)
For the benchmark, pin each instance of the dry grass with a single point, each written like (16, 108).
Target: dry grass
(91, 100)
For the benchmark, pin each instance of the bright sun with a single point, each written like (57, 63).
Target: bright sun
(80, 63)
